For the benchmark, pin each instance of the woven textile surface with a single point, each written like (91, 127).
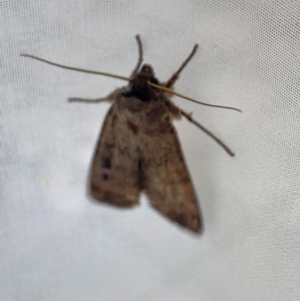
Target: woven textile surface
(57, 244)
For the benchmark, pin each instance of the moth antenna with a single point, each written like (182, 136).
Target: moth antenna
(209, 133)
(190, 99)
(75, 69)
(124, 78)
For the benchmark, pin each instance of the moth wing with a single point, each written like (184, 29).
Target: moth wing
(167, 182)
(114, 173)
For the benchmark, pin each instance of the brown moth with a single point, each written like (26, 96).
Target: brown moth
(139, 151)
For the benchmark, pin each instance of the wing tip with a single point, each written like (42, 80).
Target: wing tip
(190, 221)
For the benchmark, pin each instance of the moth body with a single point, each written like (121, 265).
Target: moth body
(139, 151)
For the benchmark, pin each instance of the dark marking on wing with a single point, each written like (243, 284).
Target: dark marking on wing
(105, 176)
(106, 163)
(133, 127)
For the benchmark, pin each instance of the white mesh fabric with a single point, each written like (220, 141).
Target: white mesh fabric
(55, 244)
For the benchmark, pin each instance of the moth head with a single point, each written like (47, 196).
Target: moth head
(140, 88)
(147, 71)
(146, 75)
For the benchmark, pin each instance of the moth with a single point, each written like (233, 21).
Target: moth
(139, 150)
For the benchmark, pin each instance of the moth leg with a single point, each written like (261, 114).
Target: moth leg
(140, 60)
(109, 97)
(206, 131)
(177, 113)
(174, 110)
(170, 83)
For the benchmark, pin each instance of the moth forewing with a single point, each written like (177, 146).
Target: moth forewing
(114, 175)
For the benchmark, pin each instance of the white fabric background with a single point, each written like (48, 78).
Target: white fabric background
(56, 244)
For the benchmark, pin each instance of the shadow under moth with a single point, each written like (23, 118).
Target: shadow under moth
(139, 151)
